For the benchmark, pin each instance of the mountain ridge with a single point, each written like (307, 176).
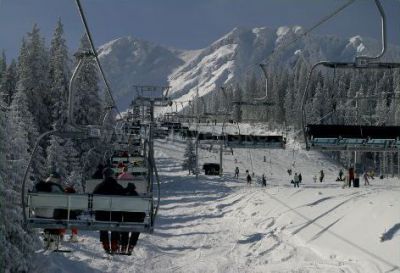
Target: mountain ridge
(131, 61)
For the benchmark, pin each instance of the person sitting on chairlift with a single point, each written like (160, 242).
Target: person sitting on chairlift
(51, 184)
(109, 186)
(99, 172)
(125, 175)
(128, 243)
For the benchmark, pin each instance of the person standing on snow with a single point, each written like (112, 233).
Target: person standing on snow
(351, 176)
(341, 175)
(248, 178)
(366, 179)
(109, 186)
(300, 178)
(296, 180)
(263, 181)
(321, 176)
(237, 172)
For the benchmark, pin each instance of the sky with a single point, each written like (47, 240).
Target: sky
(186, 24)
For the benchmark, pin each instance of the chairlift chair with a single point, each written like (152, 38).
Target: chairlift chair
(356, 136)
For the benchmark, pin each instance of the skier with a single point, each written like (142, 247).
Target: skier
(300, 178)
(296, 180)
(237, 172)
(248, 178)
(109, 186)
(351, 176)
(341, 175)
(263, 181)
(321, 176)
(366, 180)
(125, 175)
(128, 243)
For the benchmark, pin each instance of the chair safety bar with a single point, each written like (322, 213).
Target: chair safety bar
(68, 203)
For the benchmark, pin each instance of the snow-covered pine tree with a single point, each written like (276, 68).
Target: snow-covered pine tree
(4, 244)
(21, 243)
(8, 83)
(59, 75)
(88, 103)
(33, 78)
(318, 106)
(3, 65)
(189, 162)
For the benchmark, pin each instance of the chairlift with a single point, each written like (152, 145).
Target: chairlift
(354, 137)
(91, 203)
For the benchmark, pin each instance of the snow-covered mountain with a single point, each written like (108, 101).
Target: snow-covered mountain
(129, 61)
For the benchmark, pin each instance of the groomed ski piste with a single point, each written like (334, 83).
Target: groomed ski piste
(218, 224)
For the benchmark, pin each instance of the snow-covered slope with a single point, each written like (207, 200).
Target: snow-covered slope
(129, 61)
(223, 225)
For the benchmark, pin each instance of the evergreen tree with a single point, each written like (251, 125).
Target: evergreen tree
(4, 243)
(3, 65)
(33, 78)
(20, 243)
(56, 157)
(189, 162)
(59, 75)
(88, 104)
(8, 83)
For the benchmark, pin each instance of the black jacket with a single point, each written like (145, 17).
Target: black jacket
(133, 216)
(109, 186)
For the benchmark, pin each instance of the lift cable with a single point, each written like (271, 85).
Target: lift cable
(89, 36)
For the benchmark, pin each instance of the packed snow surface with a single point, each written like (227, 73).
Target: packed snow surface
(218, 224)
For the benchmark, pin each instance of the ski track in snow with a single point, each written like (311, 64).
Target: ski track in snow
(223, 225)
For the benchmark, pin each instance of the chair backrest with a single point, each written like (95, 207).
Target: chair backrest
(58, 201)
(122, 203)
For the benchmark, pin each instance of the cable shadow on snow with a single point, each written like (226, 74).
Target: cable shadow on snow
(316, 236)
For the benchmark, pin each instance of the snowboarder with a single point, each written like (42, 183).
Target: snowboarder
(237, 172)
(109, 186)
(321, 176)
(248, 178)
(296, 180)
(128, 243)
(263, 181)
